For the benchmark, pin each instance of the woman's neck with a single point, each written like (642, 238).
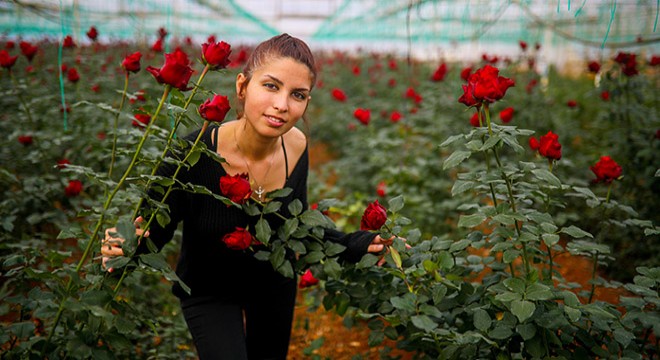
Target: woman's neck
(250, 144)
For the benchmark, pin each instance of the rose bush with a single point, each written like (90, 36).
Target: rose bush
(485, 218)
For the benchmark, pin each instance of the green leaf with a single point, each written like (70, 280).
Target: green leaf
(295, 207)
(290, 226)
(575, 232)
(277, 256)
(482, 320)
(367, 261)
(461, 186)
(314, 257)
(538, 291)
(526, 331)
(452, 139)
(332, 268)
(623, 336)
(510, 255)
(263, 231)
(424, 322)
(522, 309)
(508, 296)
(395, 204)
(286, 269)
(271, 207)
(492, 141)
(194, 156)
(396, 257)
(572, 313)
(333, 248)
(455, 158)
(547, 176)
(471, 220)
(314, 218)
(405, 302)
(550, 239)
(154, 260)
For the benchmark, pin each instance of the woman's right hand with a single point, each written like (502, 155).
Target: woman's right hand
(111, 246)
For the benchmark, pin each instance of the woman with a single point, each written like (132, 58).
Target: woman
(240, 307)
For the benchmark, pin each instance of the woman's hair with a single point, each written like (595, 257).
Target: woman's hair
(280, 46)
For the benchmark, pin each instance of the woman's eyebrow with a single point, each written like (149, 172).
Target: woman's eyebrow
(280, 82)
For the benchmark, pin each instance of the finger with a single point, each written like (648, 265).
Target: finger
(112, 251)
(105, 260)
(375, 248)
(140, 232)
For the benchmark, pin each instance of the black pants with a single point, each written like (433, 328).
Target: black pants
(246, 328)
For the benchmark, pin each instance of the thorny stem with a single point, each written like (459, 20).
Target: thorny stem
(509, 188)
(116, 125)
(99, 223)
(170, 138)
(593, 278)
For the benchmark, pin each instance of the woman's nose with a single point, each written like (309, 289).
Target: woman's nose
(280, 103)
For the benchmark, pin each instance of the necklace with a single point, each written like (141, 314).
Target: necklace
(259, 191)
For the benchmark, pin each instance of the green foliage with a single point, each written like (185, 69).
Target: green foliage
(483, 218)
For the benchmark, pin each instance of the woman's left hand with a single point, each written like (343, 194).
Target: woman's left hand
(379, 244)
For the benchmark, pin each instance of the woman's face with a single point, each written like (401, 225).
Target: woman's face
(277, 95)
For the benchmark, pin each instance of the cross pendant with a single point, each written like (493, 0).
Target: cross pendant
(260, 192)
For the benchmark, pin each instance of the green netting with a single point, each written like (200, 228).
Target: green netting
(606, 23)
(595, 23)
(125, 19)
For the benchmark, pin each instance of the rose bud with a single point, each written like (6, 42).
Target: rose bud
(307, 280)
(175, 72)
(606, 170)
(363, 115)
(549, 146)
(215, 109)
(236, 188)
(131, 63)
(374, 217)
(216, 54)
(73, 189)
(7, 61)
(239, 239)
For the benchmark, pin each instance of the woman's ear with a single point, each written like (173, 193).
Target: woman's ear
(240, 89)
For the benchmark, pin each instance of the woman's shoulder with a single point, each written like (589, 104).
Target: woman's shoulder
(295, 142)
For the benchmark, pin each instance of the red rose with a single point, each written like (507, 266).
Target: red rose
(549, 146)
(25, 139)
(485, 85)
(239, 59)
(141, 120)
(523, 45)
(28, 50)
(68, 42)
(239, 239)
(175, 72)
(7, 61)
(606, 170)
(162, 32)
(96, 88)
(356, 70)
(395, 116)
(571, 103)
(465, 73)
(440, 73)
(628, 62)
(73, 189)
(381, 189)
(157, 46)
(216, 54)
(534, 143)
(9, 45)
(72, 75)
(62, 163)
(655, 60)
(363, 115)
(215, 109)
(308, 280)
(605, 95)
(236, 188)
(92, 33)
(474, 120)
(531, 85)
(339, 95)
(374, 217)
(412, 94)
(506, 115)
(132, 62)
(594, 66)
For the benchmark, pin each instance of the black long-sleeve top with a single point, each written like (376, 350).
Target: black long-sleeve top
(205, 263)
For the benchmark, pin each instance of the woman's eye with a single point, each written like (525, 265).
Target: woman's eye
(270, 86)
(299, 95)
